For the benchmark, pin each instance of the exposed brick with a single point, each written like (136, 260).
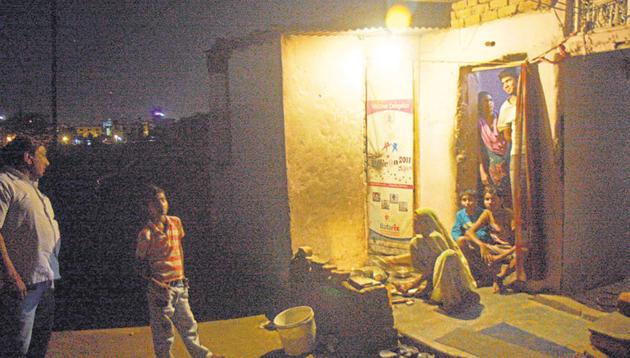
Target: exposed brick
(527, 6)
(454, 16)
(457, 23)
(484, 1)
(481, 8)
(462, 14)
(497, 4)
(547, 3)
(472, 20)
(489, 15)
(459, 5)
(507, 11)
(471, 3)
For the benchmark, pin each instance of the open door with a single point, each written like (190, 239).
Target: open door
(496, 146)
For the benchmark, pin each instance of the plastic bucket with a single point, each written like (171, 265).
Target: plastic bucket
(296, 327)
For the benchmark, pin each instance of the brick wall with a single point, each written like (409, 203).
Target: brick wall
(466, 13)
(360, 320)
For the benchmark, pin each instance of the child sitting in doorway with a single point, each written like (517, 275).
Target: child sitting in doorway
(491, 258)
(467, 215)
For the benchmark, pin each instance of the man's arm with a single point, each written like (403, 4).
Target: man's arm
(9, 269)
(504, 124)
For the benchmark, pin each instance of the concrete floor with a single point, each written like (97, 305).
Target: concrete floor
(557, 320)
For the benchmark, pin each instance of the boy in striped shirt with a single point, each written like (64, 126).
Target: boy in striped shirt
(161, 258)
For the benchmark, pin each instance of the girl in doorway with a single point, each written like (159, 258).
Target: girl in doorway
(494, 165)
(494, 257)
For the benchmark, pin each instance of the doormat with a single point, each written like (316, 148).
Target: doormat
(481, 345)
(514, 335)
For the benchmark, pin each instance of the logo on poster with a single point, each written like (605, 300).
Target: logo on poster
(389, 227)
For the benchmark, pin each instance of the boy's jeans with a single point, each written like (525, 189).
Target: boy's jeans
(171, 307)
(26, 324)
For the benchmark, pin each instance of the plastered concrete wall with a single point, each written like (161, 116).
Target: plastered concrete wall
(438, 105)
(595, 92)
(442, 53)
(255, 190)
(324, 110)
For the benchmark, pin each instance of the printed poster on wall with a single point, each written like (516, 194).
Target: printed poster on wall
(390, 158)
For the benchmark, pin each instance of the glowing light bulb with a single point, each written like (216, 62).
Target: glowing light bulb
(398, 17)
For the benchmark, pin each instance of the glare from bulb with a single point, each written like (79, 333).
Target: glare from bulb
(398, 17)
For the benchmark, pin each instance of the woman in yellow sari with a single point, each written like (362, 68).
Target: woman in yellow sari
(438, 258)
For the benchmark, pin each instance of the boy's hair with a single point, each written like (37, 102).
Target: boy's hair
(149, 194)
(469, 192)
(13, 152)
(508, 72)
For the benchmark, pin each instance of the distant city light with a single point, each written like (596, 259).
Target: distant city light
(2, 117)
(65, 139)
(117, 138)
(157, 112)
(10, 137)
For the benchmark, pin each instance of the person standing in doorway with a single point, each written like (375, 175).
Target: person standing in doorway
(29, 245)
(507, 120)
(493, 166)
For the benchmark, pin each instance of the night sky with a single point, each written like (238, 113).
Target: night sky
(119, 59)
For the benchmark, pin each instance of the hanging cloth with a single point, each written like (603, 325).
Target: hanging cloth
(521, 117)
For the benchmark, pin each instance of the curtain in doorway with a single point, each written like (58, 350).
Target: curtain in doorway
(529, 194)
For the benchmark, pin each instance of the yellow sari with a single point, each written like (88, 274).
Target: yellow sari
(436, 255)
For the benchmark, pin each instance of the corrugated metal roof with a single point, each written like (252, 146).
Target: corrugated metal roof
(362, 31)
(231, 43)
(218, 55)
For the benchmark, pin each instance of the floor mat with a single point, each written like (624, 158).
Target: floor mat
(482, 345)
(514, 335)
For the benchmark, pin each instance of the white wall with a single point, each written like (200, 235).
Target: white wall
(596, 108)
